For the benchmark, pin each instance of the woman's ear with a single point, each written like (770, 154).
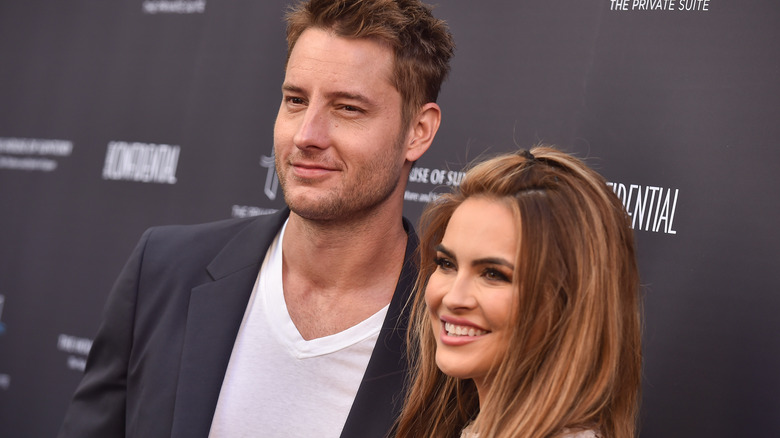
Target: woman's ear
(422, 131)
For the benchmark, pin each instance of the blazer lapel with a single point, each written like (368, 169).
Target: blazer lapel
(381, 394)
(214, 316)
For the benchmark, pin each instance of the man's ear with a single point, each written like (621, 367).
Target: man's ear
(422, 131)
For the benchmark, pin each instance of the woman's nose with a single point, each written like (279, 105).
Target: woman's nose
(460, 294)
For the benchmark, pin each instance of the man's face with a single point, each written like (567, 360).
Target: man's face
(338, 138)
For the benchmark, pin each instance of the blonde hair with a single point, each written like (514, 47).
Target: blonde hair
(574, 356)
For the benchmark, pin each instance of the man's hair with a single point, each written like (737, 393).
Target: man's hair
(573, 359)
(422, 45)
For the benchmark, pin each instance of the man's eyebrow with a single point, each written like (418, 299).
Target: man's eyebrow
(357, 97)
(291, 88)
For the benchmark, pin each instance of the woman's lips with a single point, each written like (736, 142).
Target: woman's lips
(456, 331)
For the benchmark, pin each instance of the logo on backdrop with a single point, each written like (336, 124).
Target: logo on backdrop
(77, 349)
(33, 154)
(174, 6)
(271, 180)
(651, 208)
(434, 178)
(141, 162)
(270, 189)
(250, 210)
(659, 5)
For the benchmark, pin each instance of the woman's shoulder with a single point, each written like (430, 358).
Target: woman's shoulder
(578, 434)
(468, 432)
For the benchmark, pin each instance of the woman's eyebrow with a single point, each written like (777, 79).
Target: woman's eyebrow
(443, 249)
(483, 261)
(494, 261)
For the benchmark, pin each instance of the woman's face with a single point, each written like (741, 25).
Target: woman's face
(469, 295)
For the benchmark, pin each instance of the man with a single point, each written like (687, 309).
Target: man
(287, 325)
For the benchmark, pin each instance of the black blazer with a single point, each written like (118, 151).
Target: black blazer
(159, 357)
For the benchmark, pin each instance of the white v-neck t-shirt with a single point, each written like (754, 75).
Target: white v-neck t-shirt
(279, 385)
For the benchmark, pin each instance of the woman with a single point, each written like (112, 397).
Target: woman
(529, 325)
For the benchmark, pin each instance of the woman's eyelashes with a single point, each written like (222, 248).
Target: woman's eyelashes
(494, 274)
(490, 273)
(444, 263)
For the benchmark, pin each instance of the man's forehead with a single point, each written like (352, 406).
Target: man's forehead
(324, 50)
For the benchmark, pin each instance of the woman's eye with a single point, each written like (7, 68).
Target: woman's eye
(444, 263)
(495, 275)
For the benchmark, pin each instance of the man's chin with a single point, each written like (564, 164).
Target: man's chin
(315, 210)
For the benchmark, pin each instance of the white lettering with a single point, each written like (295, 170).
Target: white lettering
(250, 210)
(72, 344)
(653, 191)
(454, 178)
(141, 162)
(30, 164)
(34, 146)
(77, 363)
(652, 5)
(653, 208)
(618, 5)
(419, 175)
(420, 197)
(437, 176)
(174, 6)
(669, 229)
(694, 5)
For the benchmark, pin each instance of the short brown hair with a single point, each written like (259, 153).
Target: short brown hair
(422, 44)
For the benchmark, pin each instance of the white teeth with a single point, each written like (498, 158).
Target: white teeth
(461, 330)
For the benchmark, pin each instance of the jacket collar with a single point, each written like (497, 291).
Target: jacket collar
(214, 317)
(248, 247)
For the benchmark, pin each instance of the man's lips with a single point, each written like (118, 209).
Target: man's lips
(311, 170)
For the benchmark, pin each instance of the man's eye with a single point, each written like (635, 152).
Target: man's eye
(295, 100)
(351, 109)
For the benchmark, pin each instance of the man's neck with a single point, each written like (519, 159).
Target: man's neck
(344, 253)
(338, 274)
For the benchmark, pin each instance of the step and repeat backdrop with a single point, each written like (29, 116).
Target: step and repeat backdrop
(116, 116)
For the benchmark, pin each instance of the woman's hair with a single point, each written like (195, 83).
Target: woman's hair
(574, 357)
(422, 44)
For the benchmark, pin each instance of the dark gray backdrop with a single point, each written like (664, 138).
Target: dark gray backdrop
(678, 108)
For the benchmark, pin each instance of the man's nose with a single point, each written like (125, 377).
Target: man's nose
(314, 129)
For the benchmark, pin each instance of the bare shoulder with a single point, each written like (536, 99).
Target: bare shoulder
(579, 434)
